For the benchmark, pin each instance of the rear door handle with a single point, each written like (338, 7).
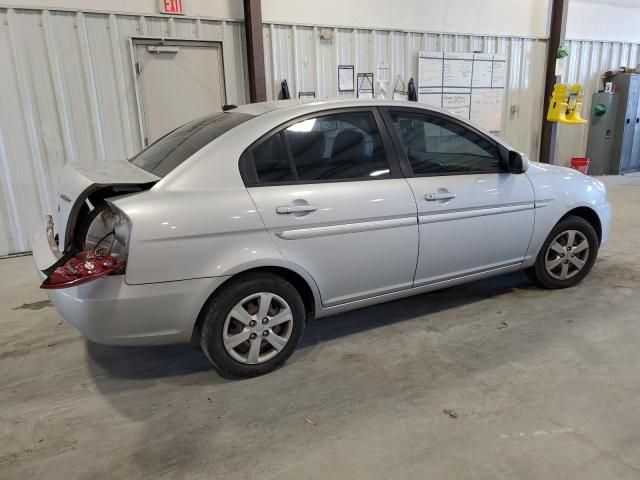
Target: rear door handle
(432, 197)
(289, 209)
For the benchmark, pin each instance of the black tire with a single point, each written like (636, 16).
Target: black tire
(538, 272)
(219, 307)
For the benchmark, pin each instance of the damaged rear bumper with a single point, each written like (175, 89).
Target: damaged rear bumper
(112, 312)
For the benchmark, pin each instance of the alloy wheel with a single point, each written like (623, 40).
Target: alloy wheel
(567, 255)
(257, 328)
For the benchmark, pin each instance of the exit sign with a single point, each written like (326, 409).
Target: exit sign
(171, 7)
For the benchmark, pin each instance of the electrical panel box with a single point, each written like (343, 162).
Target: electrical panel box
(602, 133)
(626, 155)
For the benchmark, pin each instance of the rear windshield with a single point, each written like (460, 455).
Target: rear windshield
(165, 154)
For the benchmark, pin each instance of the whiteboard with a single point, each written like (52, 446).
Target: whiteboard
(482, 71)
(470, 85)
(431, 99)
(457, 70)
(486, 108)
(498, 77)
(458, 103)
(430, 68)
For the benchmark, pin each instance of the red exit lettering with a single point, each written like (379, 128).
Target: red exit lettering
(173, 7)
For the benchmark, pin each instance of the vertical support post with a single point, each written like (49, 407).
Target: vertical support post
(559, 9)
(255, 51)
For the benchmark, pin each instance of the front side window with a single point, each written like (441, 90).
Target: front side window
(339, 146)
(437, 146)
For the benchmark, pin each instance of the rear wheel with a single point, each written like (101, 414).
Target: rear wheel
(252, 325)
(567, 256)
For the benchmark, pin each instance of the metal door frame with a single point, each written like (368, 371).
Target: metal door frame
(136, 41)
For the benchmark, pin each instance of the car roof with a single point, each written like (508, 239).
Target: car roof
(256, 109)
(259, 108)
(283, 110)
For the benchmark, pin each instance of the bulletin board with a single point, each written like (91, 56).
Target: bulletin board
(468, 84)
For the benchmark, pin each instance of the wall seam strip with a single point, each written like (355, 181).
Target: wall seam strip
(17, 238)
(58, 86)
(89, 74)
(118, 61)
(37, 158)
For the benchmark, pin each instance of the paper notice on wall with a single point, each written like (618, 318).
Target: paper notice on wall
(383, 72)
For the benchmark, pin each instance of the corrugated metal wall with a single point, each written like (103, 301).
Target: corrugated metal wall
(586, 64)
(67, 87)
(67, 93)
(297, 53)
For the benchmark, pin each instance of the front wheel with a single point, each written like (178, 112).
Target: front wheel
(567, 255)
(252, 325)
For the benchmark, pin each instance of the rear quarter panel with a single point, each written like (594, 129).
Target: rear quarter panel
(184, 235)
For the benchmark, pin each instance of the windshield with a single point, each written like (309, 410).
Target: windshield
(165, 154)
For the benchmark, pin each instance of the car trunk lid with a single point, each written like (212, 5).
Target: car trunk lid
(80, 180)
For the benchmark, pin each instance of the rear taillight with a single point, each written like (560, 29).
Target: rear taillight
(84, 267)
(105, 247)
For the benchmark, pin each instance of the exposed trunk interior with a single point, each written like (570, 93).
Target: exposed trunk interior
(92, 198)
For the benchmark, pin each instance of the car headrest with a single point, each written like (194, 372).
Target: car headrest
(348, 144)
(268, 151)
(309, 145)
(413, 138)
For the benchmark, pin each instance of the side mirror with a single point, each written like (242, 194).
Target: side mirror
(518, 162)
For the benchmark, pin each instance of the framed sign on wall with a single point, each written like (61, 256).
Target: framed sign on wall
(365, 85)
(345, 78)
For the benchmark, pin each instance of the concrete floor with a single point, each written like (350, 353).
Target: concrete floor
(541, 385)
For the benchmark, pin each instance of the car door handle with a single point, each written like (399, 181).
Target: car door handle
(432, 197)
(289, 209)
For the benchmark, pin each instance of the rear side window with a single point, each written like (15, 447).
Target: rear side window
(271, 161)
(165, 154)
(332, 147)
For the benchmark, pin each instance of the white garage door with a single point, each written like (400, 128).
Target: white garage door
(177, 82)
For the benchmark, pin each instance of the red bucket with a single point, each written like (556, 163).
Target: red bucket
(581, 164)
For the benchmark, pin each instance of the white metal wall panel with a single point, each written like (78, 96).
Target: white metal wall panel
(586, 64)
(310, 64)
(316, 60)
(67, 93)
(68, 90)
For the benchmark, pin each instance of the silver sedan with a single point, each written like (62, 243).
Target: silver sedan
(235, 229)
